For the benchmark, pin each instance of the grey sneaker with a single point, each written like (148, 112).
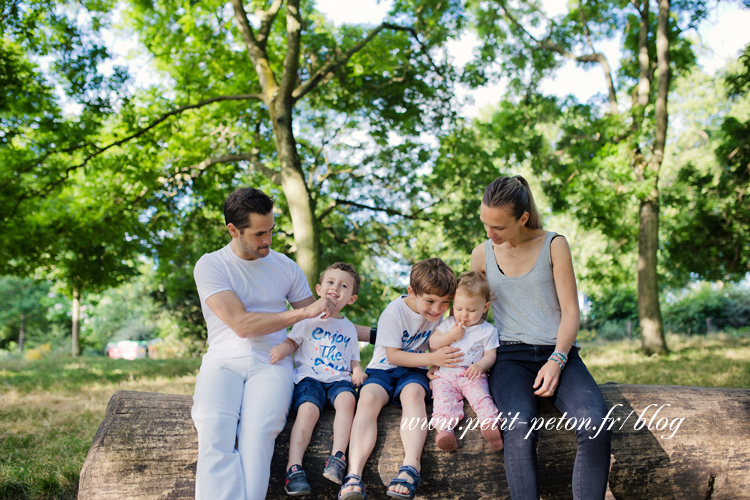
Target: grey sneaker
(335, 468)
(295, 482)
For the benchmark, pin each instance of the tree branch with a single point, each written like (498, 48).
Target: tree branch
(334, 65)
(644, 79)
(603, 62)
(266, 21)
(98, 151)
(256, 51)
(253, 158)
(595, 56)
(293, 43)
(388, 211)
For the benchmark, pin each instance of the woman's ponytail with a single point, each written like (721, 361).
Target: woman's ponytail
(513, 192)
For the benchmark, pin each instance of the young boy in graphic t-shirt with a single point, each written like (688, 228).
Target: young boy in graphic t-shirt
(397, 373)
(326, 358)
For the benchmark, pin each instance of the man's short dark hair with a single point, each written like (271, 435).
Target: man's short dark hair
(243, 202)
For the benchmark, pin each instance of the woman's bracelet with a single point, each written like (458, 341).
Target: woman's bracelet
(559, 357)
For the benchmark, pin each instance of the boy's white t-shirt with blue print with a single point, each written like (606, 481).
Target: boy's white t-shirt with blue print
(476, 341)
(402, 328)
(326, 349)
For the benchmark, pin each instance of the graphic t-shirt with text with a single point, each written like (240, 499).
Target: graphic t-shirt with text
(402, 328)
(326, 349)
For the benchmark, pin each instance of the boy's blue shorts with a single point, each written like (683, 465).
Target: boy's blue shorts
(395, 379)
(318, 393)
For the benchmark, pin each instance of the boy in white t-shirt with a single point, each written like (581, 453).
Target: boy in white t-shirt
(478, 340)
(397, 373)
(326, 370)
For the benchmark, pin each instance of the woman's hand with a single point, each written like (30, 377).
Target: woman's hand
(547, 379)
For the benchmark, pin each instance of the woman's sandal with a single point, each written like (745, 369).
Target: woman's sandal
(353, 495)
(412, 486)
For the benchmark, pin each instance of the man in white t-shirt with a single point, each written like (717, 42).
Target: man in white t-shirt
(239, 396)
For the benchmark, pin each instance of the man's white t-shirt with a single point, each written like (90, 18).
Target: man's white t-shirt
(264, 285)
(476, 341)
(326, 349)
(402, 328)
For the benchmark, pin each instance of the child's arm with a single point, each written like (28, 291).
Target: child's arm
(445, 356)
(440, 339)
(283, 350)
(358, 376)
(481, 367)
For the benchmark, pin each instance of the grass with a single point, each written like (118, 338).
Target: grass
(50, 409)
(718, 360)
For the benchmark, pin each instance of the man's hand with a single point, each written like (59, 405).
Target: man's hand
(324, 305)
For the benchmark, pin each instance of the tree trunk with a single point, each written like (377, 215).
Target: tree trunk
(298, 197)
(652, 328)
(76, 350)
(676, 443)
(278, 99)
(21, 332)
(649, 313)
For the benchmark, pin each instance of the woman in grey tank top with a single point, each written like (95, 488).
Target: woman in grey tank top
(536, 313)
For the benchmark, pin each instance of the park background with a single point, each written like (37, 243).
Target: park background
(124, 125)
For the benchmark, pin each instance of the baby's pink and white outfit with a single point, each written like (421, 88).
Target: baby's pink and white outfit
(451, 385)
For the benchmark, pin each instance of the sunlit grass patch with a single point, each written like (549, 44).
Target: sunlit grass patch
(718, 360)
(51, 409)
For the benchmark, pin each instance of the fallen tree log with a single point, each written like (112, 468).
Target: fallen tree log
(669, 443)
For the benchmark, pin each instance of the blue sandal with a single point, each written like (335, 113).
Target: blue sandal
(353, 495)
(412, 486)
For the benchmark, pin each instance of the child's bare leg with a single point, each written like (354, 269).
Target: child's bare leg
(372, 399)
(413, 407)
(307, 417)
(342, 423)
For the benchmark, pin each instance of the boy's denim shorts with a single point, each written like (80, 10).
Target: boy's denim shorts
(318, 393)
(395, 379)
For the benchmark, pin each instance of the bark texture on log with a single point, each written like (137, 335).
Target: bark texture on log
(146, 449)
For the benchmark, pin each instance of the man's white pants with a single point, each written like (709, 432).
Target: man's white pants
(246, 401)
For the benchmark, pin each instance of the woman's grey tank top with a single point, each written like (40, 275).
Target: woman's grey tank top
(526, 308)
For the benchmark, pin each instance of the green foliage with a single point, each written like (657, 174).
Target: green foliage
(21, 298)
(38, 139)
(126, 312)
(707, 184)
(36, 304)
(617, 303)
(611, 311)
(727, 307)
(147, 181)
(686, 312)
